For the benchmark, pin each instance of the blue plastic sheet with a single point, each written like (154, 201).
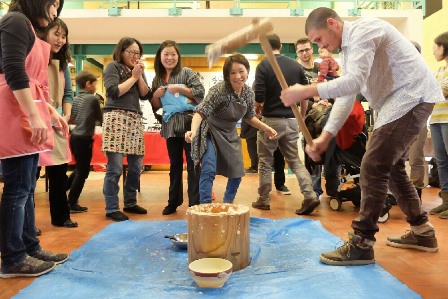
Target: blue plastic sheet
(132, 259)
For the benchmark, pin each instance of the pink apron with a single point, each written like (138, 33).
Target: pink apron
(15, 131)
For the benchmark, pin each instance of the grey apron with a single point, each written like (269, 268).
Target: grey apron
(222, 129)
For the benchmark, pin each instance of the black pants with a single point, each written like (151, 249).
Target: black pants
(57, 182)
(252, 150)
(279, 169)
(176, 147)
(82, 148)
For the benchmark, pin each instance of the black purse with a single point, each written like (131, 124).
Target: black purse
(183, 125)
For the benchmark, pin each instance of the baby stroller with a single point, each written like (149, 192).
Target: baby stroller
(347, 152)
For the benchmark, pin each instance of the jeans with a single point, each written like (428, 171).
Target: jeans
(383, 166)
(82, 149)
(439, 136)
(176, 146)
(286, 140)
(114, 171)
(208, 173)
(18, 234)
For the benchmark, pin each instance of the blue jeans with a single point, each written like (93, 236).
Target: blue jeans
(113, 173)
(208, 173)
(18, 234)
(439, 136)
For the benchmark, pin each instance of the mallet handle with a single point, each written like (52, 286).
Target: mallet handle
(278, 73)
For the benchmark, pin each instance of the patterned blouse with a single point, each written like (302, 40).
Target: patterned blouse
(216, 102)
(191, 80)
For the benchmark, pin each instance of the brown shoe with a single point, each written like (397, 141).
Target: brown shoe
(28, 268)
(261, 204)
(354, 252)
(308, 205)
(426, 243)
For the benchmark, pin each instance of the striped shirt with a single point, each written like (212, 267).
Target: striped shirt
(379, 62)
(191, 80)
(440, 112)
(86, 111)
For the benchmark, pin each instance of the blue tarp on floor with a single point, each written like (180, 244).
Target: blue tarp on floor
(132, 259)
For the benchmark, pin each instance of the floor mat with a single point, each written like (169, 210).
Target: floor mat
(132, 259)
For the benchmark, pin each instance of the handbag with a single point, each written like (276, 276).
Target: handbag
(184, 124)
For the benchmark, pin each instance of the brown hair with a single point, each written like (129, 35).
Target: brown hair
(83, 77)
(122, 45)
(303, 40)
(317, 19)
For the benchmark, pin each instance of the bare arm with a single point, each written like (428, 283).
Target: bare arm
(195, 123)
(256, 123)
(67, 110)
(297, 93)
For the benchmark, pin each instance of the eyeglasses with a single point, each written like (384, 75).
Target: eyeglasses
(133, 53)
(304, 50)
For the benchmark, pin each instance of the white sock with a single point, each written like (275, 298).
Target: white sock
(423, 229)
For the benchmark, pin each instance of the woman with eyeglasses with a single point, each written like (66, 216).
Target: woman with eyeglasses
(177, 90)
(25, 122)
(125, 83)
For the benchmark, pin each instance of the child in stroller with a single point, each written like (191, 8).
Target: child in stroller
(342, 160)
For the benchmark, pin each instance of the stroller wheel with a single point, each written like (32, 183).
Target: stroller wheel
(335, 203)
(383, 218)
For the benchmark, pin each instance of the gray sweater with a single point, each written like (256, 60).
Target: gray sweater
(86, 110)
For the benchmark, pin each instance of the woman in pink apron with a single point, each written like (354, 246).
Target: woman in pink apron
(25, 118)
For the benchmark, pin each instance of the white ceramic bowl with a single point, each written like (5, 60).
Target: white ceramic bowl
(210, 272)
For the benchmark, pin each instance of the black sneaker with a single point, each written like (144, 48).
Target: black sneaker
(76, 208)
(68, 224)
(168, 210)
(261, 204)
(28, 268)
(48, 256)
(117, 216)
(353, 252)
(251, 170)
(284, 190)
(426, 243)
(136, 210)
(308, 205)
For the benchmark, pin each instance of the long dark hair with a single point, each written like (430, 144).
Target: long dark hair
(34, 10)
(159, 69)
(122, 45)
(442, 40)
(64, 56)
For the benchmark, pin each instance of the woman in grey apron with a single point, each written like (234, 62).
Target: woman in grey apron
(216, 143)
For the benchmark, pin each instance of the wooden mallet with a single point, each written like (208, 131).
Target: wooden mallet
(257, 29)
(238, 39)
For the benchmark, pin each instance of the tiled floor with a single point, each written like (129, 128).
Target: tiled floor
(425, 273)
